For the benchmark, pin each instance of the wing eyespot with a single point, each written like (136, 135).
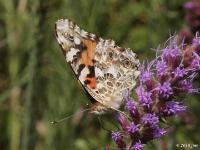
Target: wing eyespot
(102, 90)
(110, 54)
(70, 37)
(118, 84)
(110, 84)
(108, 76)
(115, 56)
(127, 64)
(121, 57)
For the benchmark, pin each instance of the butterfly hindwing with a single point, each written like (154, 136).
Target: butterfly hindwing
(104, 69)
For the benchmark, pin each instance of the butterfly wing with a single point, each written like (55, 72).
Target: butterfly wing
(79, 50)
(116, 70)
(104, 69)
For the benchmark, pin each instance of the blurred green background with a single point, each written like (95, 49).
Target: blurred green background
(37, 86)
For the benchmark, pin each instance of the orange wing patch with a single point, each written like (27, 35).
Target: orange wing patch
(88, 55)
(87, 58)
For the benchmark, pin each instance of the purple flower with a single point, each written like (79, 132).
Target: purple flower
(162, 68)
(132, 128)
(107, 147)
(165, 90)
(131, 106)
(161, 85)
(124, 122)
(196, 62)
(171, 53)
(193, 14)
(144, 97)
(118, 138)
(187, 86)
(189, 5)
(151, 120)
(137, 146)
(158, 132)
(173, 108)
(196, 41)
(145, 75)
(179, 72)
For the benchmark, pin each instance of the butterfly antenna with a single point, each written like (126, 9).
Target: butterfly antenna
(70, 116)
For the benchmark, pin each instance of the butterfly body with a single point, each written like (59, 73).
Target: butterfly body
(104, 69)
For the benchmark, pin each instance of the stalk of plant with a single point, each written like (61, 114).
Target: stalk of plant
(162, 85)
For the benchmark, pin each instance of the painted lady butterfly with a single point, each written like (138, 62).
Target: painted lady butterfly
(104, 69)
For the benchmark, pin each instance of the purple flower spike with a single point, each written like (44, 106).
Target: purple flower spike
(137, 146)
(118, 138)
(158, 132)
(171, 53)
(145, 75)
(189, 5)
(124, 122)
(161, 84)
(196, 41)
(165, 90)
(196, 62)
(131, 106)
(107, 147)
(144, 97)
(193, 14)
(179, 72)
(132, 128)
(173, 108)
(150, 120)
(161, 67)
(187, 86)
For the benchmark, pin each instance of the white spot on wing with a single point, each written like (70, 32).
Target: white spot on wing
(77, 41)
(84, 33)
(83, 74)
(98, 72)
(70, 54)
(77, 29)
(136, 73)
(112, 70)
(62, 25)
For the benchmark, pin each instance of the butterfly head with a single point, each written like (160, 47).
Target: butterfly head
(68, 34)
